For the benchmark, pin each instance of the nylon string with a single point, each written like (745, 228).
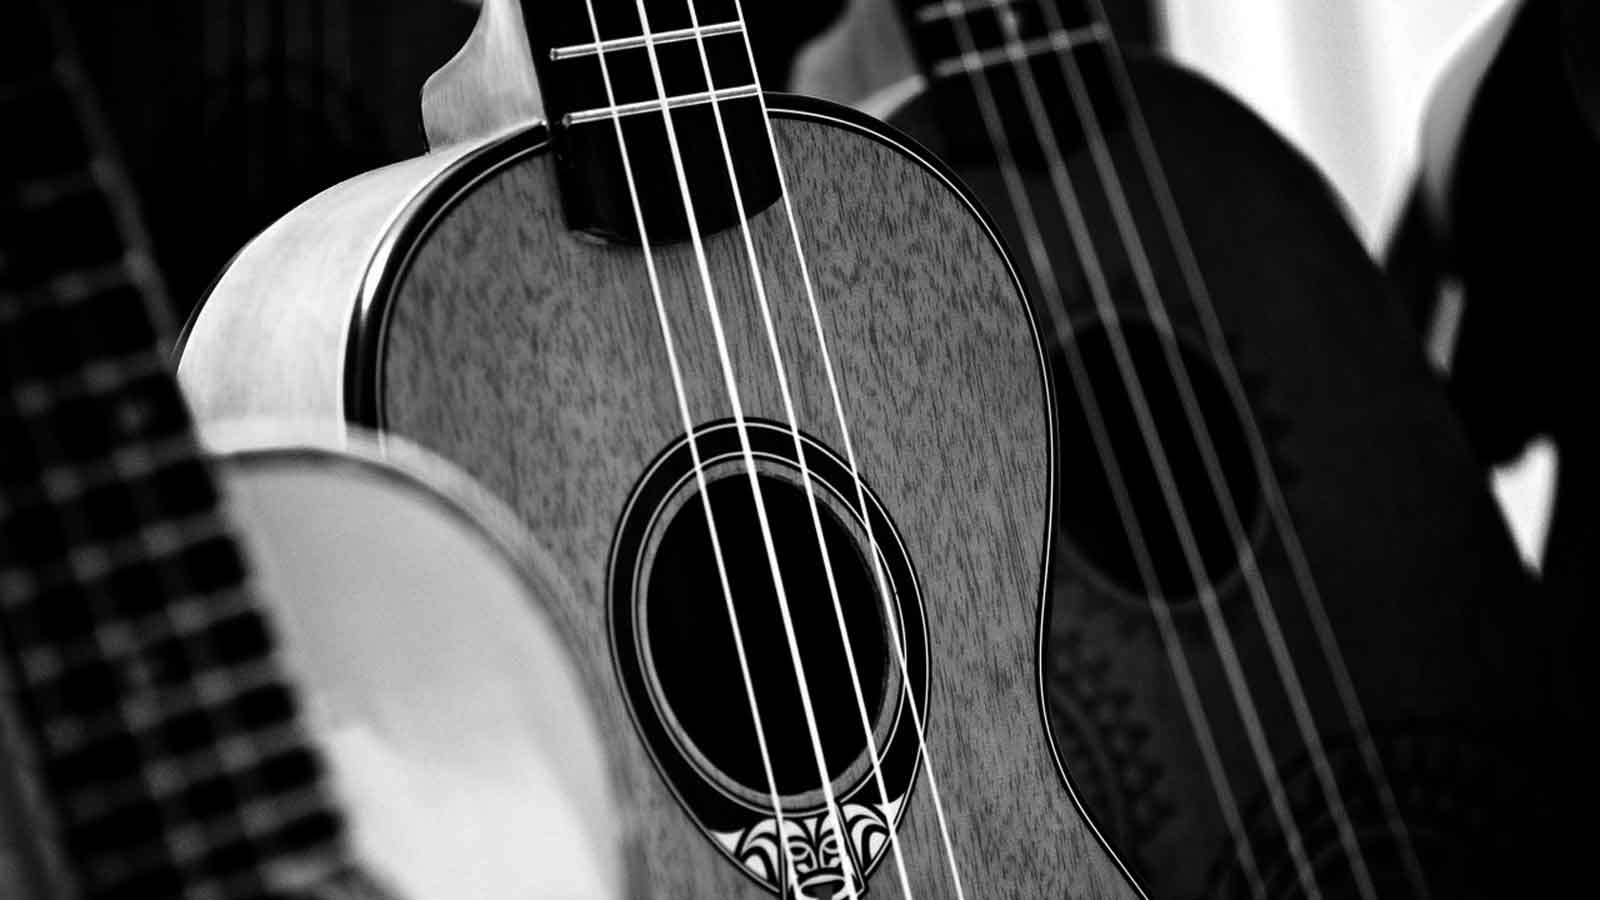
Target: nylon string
(687, 421)
(730, 383)
(1277, 504)
(758, 280)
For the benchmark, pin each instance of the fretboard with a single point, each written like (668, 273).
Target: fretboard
(161, 734)
(569, 55)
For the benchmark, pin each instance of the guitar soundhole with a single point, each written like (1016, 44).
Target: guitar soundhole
(1094, 518)
(697, 662)
(682, 674)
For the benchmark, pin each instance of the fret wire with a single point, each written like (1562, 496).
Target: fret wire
(576, 51)
(85, 284)
(933, 12)
(646, 106)
(1056, 41)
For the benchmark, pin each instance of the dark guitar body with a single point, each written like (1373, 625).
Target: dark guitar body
(1505, 214)
(1431, 609)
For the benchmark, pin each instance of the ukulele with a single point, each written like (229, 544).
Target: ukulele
(1290, 652)
(757, 372)
(325, 674)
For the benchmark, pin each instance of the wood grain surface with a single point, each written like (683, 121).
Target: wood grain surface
(533, 359)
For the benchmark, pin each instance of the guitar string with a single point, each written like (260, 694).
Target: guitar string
(896, 640)
(1172, 642)
(1132, 384)
(1285, 669)
(730, 383)
(1177, 235)
(759, 282)
(1287, 672)
(100, 384)
(681, 395)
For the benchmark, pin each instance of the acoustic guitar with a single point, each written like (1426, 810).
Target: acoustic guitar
(1291, 651)
(757, 372)
(327, 674)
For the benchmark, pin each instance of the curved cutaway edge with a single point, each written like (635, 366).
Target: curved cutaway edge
(363, 378)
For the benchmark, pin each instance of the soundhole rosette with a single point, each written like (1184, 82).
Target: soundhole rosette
(690, 694)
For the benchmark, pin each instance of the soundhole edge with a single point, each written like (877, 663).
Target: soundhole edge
(699, 685)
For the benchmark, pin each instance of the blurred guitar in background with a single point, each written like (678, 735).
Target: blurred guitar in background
(284, 100)
(1291, 655)
(1495, 258)
(314, 670)
(231, 112)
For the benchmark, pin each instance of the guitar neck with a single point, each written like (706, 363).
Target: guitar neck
(151, 734)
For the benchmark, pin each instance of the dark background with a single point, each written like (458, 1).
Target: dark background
(228, 113)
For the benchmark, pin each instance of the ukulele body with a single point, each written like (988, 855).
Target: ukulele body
(455, 308)
(1422, 589)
